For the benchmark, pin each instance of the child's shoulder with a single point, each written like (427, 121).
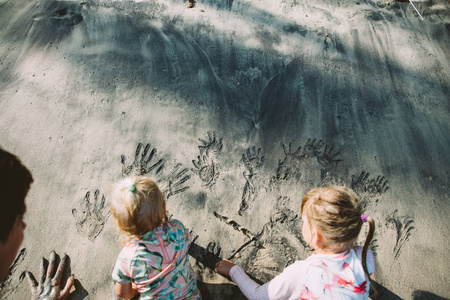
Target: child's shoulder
(128, 250)
(176, 223)
(358, 252)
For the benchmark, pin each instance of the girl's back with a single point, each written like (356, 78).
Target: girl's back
(157, 262)
(337, 276)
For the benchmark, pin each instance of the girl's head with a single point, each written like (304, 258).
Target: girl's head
(332, 219)
(138, 205)
(333, 212)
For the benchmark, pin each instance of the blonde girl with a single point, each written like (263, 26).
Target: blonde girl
(155, 260)
(332, 219)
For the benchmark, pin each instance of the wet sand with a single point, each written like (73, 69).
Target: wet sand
(244, 106)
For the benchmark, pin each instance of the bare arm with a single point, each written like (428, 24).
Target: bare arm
(125, 291)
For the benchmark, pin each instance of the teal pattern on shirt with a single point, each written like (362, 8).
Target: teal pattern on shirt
(159, 272)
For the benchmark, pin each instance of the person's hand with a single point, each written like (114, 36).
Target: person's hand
(224, 266)
(48, 287)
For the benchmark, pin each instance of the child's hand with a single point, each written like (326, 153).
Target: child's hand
(224, 266)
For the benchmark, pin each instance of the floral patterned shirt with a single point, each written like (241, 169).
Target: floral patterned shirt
(320, 276)
(157, 262)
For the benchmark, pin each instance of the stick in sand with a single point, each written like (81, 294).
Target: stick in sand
(416, 9)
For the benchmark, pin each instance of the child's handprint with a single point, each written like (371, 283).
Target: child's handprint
(253, 160)
(92, 219)
(142, 165)
(213, 144)
(173, 183)
(312, 148)
(369, 189)
(327, 158)
(374, 187)
(288, 165)
(378, 186)
(206, 169)
(289, 154)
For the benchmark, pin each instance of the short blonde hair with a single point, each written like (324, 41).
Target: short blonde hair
(138, 205)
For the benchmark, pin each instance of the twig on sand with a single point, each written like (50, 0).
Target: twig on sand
(416, 9)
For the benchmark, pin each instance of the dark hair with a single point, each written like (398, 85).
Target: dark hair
(15, 181)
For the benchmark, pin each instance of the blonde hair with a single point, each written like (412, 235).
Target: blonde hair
(335, 212)
(138, 205)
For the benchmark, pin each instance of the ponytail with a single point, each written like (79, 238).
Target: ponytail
(364, 252)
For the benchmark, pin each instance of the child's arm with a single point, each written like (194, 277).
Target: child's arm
(248, 287)
(125, 291)
(281, 287)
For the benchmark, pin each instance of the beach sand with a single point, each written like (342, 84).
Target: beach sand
(249, 104)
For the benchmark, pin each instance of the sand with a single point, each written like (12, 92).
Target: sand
(247, 104)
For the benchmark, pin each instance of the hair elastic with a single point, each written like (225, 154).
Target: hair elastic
(364, 217)
(132, 188)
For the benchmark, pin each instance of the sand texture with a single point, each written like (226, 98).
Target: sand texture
(236, 108)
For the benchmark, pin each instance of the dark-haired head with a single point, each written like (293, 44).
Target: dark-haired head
(15, 181)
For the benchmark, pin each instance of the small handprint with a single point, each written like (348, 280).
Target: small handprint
(374, 187)
(289, 154)
(327, 158)
(253, 160)
(288, 165)
(278, 214)
(174, 182)
(92, 219)
(206, 169)
(143, 163)
(213, 144)
(378, 186)
(359, 185)
(312, 148)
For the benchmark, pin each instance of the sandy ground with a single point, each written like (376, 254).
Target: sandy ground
(249, 104)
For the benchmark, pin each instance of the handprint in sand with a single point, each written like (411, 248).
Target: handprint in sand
(91, 218)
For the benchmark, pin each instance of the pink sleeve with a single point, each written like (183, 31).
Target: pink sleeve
(248, 287)
(281, 287)
(123, 271)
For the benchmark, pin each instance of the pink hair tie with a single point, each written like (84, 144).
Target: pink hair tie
(364, 217)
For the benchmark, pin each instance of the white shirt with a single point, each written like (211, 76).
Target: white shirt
(320, 276)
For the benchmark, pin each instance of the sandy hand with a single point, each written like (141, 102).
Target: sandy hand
(224, 266)
(49, 287)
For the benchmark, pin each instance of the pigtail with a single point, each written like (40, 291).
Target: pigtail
(364, 253)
